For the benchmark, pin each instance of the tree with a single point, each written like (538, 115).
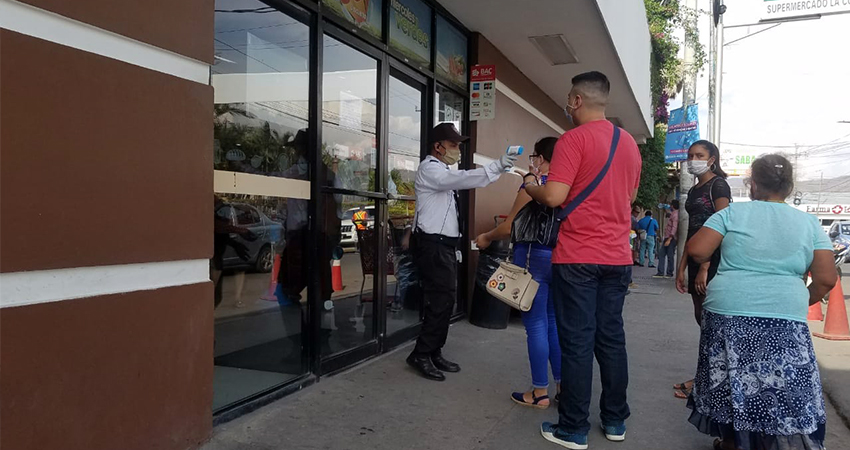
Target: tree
(666, 74)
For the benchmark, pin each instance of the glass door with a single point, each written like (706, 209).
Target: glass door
(405, 138)
(348, 248)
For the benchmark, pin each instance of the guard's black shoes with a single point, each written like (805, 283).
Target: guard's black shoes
(425, 367)
(444, 364)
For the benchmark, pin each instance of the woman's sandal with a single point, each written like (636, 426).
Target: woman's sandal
(682, 393)
(519, 397)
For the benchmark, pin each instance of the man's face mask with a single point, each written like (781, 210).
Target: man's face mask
(451, 155)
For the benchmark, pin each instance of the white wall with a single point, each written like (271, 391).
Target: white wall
(629, 31)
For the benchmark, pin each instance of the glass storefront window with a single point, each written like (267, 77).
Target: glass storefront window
(349, 117)
(450, 108)
(451, 66)
(410, 31)
(364, 14)
(258, 327)
(261, 81)
(348, 241)
(405, 149)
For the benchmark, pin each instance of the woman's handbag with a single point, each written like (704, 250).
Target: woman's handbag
(513, 284)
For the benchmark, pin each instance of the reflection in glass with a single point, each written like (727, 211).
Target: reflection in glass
(410, 31)
(403, 292)
(449, 107)
(405, 136)
(257, 330)
(405, 149)
(349, 114)
(261, 80)
(347, 255)
(365, 14)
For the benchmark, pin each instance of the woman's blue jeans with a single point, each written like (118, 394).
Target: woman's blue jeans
(540, 327)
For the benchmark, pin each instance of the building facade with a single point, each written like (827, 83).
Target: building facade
(205, 203)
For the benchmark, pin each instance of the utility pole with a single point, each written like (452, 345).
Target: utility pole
(686, 180)
(718, 71)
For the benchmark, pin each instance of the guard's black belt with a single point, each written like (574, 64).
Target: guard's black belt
(453, 242)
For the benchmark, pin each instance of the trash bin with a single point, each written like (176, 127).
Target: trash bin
(487, 311)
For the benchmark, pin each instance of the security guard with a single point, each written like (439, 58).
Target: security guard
(436, 239)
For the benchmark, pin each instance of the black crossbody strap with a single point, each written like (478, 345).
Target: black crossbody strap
(593, 184)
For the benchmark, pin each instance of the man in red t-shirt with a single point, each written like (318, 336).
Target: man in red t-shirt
(592, 261)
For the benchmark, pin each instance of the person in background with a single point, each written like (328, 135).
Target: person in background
(757, 384)
(668, 247)
(540, 328)
(592, 262)
(709, 195)
(649, 227)
(636, 241)
(436, 239)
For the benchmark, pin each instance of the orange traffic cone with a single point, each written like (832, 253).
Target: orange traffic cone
(815, 312)
(270, 295)
(836, 327)
(336, 275)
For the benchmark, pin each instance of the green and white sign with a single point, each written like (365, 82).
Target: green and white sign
(776, 10)
(410, 30)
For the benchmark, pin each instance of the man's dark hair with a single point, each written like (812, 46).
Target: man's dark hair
(675, 204)
(648, 214)
(772, 174)
(595, 80)
(545, 147)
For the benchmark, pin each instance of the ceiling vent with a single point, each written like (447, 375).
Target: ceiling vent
(555, 48)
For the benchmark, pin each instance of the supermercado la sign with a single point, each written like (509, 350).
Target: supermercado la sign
(774, 10)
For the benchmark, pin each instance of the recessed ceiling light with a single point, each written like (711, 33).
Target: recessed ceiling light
(555, 48)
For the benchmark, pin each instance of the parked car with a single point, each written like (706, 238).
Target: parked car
(347, 228)
(839, 230)
(260, 250)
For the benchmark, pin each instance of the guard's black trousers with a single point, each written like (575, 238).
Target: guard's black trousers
(436, 264)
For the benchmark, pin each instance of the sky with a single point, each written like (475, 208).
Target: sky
(786, 86)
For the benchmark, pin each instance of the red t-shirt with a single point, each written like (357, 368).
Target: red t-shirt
(597, 232)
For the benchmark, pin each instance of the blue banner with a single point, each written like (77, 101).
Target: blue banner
(682, 131)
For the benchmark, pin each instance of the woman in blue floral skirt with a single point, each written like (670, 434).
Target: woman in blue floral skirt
(757, 385)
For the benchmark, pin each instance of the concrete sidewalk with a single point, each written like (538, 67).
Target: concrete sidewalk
(384, 405)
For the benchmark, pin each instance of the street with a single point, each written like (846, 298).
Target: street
(382, 404)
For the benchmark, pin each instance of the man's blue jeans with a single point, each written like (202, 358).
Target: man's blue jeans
(647, 246)
(666, 258)
(589, 312)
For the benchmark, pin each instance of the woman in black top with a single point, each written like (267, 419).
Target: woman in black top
(709, 195)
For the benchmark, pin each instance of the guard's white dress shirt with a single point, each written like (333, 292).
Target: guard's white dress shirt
(436, 212)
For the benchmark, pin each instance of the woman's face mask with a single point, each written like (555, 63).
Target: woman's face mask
(697, 167)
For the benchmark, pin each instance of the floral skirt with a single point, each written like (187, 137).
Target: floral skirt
(757, 382)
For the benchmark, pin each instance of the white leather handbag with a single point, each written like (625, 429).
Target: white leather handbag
(513, 285)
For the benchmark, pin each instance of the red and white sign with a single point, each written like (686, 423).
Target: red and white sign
(837, 209)
(482, 95)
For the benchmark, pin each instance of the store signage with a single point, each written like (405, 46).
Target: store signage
(777, 10)
(365, 14)
(410, 30)
(482, 96)
(451, 54)
(828, 209)
(682, 131)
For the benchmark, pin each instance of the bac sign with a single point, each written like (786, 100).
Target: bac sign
(482, 96)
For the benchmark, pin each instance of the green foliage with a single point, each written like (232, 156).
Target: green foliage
(667, 72)
(653, 177)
